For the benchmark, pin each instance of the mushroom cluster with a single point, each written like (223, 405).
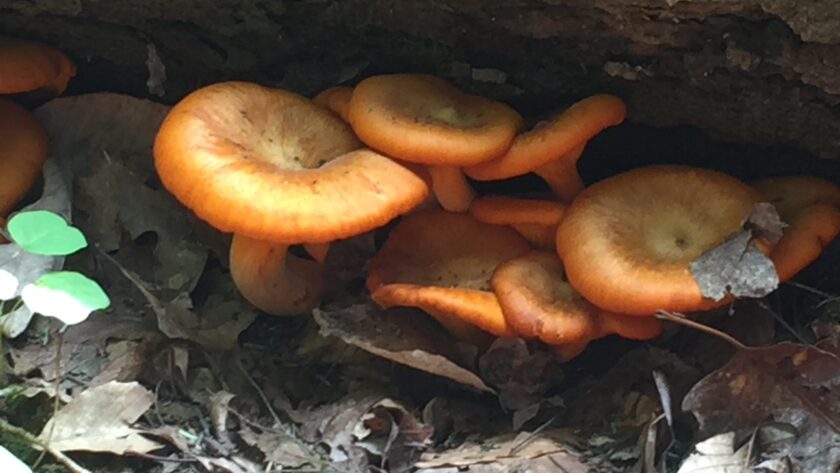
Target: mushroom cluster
(29, 73)
(277, 169)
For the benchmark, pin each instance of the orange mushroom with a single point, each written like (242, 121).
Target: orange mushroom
(23, 151)
(276, 169)
(552, 148)
(538, 302)
(426, 120)
(441, 262)
(627, 242)
(535, 219)
(811, 208)
(27, 66)
(336, 99)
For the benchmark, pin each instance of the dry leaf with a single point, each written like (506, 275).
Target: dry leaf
(99, 420)
(735, 267)
(785, 383)
(389, 431)
(509, 452)
(718, 454)
(400, 335)
(279, 448)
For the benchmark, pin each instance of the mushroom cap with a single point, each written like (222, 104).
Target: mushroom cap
(425, 119)
(26, 66)
(561, 137)
(810, 230)
(627, 241)
(441, 262)
(273, 166)
(538, 301)
(535, 219)
(23, 151)
(336, 99)
(791, 194)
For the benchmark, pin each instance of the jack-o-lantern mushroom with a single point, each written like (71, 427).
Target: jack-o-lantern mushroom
(275, 169)
(627, 242)
(535, 219)
(33, 69)
(441, 262)
(426, 120)
(336, 99)
(23, 151)
(810, 206)
(538, 302)
(552, 148)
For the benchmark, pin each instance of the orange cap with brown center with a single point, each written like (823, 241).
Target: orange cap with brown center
(23, 151)
(273, 166)
(441, 262)
(26, 66)
(627, 241)
(425, 119)
(535, 219)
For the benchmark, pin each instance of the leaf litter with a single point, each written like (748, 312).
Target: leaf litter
(361, 389)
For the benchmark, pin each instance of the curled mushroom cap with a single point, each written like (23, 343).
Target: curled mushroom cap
(336, 99)
(552, 148)
(627, 241)
(271, 165)
(425, 119)
(809, 231)
(441, 262)
(538, 302)
(275, 169)
(535, 219)
(791, 194)
(23, 151)
(27, 66)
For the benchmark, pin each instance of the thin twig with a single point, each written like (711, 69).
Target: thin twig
(676, 317)
(531, 436)
(33, 440)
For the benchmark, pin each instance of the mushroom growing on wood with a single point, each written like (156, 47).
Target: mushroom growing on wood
(275, 169)
(336, 99)
(552, 148)
(441, 262)
(23, 151)
(538, 302)
(627, 242)
(535, 219)
(27, 66)
(811, 208)
(426, 120)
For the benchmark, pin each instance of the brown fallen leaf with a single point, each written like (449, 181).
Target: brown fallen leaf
(550, 450)
(785, 383)
(735, 267)
(280, 449)
(399, 335)
(99, 420)
(391, 433)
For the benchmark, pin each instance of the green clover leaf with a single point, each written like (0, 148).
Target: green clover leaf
(45, 233)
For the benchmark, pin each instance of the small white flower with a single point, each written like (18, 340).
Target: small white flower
(54, 303)
(8, 285)
(11, 464)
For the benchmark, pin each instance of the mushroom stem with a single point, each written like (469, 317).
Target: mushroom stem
(562, 176)
(451, 188)
(271, 279)
(318, 251)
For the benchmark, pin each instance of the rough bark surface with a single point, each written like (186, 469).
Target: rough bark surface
(746, 71)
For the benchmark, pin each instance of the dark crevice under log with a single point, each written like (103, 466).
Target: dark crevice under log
(750, 72)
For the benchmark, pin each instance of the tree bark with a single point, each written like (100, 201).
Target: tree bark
(746, 71)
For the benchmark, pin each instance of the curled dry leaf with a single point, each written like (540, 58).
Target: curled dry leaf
(398, 335)
(718, 454)
(99, 420)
